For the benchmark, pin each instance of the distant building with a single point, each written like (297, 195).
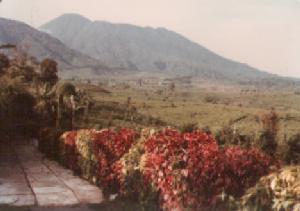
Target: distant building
(185, 81)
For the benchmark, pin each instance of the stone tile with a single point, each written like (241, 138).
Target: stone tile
(32, 176)
(76, 182)
(52, 184)
(12, 178)
(66, 175)
(44, 181)
(17, 200)
(14, 188)
(36, 169)
(89, 195)
(52, 164)
(46, 190)
(86, 188)
(57, 199)
(14, 171)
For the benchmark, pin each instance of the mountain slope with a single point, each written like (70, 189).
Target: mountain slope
(41, 45)
(146, 49)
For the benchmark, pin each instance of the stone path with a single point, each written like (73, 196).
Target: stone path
(29, 179)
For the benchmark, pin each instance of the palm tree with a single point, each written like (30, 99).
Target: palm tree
(48, 73)
(85, 102)
(64, 90)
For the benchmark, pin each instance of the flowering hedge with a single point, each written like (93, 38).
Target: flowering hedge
(93, 154)
(244, 168)
(131, 177)
(277, 191)
(109, 147)
(173, 169)
(69, 151)
(190, 171)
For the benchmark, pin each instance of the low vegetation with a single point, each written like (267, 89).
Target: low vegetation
(163, 148)
(178, 170)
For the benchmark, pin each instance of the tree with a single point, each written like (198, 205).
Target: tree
(4, 62)
(84, 103)
(270, 126)
(64, 90)
(16, 109)
(172, 87)
(48, 73)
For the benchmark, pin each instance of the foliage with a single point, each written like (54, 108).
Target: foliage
(244, 168)
(292, 155)
(109, 148)
(87, 162)
(211, 99)
(70, 151)
(66, 89)
(94, 154)
(23, 108)
(17, 110)
(4, 62)
(277, 191)
(49, 71)
(228, 136)
(267, 141)
(270, 122)
(189, 127)
(131, 177)
(190, 171)
(49, 142)
(178, 170)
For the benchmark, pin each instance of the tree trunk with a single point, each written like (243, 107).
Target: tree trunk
(73, 105)
(59, 112)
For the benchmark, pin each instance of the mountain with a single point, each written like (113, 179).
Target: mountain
(146, 49)
(41, 45)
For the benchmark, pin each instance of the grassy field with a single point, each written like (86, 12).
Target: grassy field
(213, 109)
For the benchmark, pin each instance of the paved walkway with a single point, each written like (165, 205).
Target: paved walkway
(29, 179)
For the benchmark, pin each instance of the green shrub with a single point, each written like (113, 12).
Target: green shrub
(268, 136)
(292, 155)
(267, 142)
(189, 127)
(211, 99)
(49, 142)
(228, 136)
(17, 112)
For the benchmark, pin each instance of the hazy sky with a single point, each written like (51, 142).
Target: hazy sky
(262, 33)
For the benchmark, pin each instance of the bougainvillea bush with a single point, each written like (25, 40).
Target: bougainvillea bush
(132, 180)
(68, 151)
(94, 154)
(190, 171)
(109, 147)
(171, 169)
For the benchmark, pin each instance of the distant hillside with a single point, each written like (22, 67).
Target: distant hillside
(146, 49)
(41, 45)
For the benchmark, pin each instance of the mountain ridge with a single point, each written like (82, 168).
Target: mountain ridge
(154, 50)
(41, 45)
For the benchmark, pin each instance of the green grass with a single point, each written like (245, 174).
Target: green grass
(242, 111)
